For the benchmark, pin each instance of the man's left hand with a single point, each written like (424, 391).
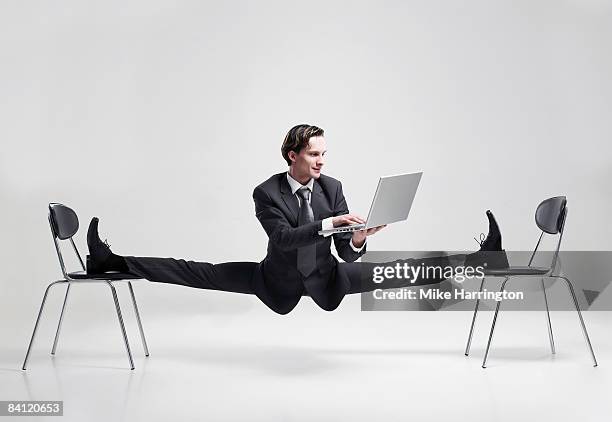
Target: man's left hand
(359, 237)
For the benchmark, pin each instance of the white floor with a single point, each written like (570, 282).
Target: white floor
(246, 363)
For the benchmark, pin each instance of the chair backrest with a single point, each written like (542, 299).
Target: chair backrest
(550, 214)
(64, 224)
(550, 217)
(64, 221)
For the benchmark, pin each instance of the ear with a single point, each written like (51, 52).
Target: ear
(292, 156)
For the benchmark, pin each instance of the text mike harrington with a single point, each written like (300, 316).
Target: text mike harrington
(406, 271)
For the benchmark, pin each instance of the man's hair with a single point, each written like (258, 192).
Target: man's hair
(297, 138)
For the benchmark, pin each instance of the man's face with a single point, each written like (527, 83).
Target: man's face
(308, 163)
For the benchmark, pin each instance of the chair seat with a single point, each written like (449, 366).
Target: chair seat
(113, 275)
(517, 271)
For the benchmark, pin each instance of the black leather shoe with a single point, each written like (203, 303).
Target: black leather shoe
(493, 241)
(490, 255)
(101, 259)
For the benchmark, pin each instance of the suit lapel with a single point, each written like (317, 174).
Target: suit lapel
(317, 200)
(290, 200)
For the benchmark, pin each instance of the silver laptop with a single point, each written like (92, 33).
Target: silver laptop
(392, 202)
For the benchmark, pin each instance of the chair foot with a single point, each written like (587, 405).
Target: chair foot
(550, 331)
(469, 340)
(570, 287)
(42, 305)
(142, 335)
(484, 361)
(61, 319)
(121, 324)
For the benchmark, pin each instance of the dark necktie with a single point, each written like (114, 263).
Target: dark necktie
(307, 255)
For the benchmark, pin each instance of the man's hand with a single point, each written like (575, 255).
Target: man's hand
(359, 237)
(346, 219)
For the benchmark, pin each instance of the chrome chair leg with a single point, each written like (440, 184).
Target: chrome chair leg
(142, 336)
(469, 341)
(484, 361)
(584, 330)
(42, 305)
(59, 324)
(550, 331)
(121, 325)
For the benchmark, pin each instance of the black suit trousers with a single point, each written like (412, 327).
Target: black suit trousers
(236, 276)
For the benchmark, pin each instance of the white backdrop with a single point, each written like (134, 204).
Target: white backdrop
(160, 117)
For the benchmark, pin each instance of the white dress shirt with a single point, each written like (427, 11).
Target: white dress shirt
(327, 223)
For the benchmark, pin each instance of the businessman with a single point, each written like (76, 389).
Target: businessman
(292, 208)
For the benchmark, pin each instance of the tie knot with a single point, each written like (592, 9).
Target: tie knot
(304, 192)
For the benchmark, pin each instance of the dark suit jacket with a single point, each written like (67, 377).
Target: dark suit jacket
(276, 281)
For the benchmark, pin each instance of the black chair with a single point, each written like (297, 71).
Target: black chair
(550, 217)
(64, 224)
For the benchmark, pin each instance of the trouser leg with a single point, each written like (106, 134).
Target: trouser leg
(228, 276)
(361, 274)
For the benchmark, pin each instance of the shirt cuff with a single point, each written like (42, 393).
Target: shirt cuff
(357, 249)
(327, 224)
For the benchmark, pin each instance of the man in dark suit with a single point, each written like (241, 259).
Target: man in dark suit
(292, 208)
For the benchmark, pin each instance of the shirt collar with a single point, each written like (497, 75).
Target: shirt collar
(295, 185)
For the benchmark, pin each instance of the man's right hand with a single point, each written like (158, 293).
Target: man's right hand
(346, 219)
